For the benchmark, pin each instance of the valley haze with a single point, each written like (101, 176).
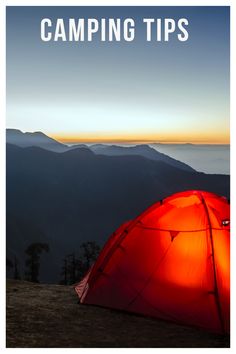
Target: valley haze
(207, 158)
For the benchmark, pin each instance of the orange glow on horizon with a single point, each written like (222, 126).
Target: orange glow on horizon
(140, 138)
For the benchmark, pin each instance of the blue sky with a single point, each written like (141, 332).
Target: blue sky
(158, 91)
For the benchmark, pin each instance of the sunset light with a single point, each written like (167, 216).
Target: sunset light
(141, 139)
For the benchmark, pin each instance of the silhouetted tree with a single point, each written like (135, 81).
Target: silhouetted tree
(74, 268)
(80, 269)
(32, 263)
(90, 252)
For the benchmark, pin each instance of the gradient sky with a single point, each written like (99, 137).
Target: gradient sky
(120, 91)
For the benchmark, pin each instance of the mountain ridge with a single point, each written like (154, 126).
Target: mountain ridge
(142, 150)
(78, 196)
(39, 139)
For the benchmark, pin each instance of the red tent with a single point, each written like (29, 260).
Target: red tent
(171, 262)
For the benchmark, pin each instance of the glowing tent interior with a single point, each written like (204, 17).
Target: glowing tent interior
(171, 262)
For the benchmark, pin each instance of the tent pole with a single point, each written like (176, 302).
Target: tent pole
(216, 290)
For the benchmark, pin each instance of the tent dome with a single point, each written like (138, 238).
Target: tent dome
(171, 262)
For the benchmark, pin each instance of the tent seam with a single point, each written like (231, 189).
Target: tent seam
(216, 290)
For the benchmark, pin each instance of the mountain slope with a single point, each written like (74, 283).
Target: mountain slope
(39, 139)
(65, 199)
(141, 150)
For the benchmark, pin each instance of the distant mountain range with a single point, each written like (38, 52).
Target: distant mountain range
(74, 196)
(140, 150)
(16, 137)
(38, 139)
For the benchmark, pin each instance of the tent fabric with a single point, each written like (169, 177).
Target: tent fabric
(171, 262)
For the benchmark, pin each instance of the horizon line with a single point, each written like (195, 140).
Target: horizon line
(65, 140)
(95, 139)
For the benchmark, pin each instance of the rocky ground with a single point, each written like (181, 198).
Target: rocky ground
(49, 316)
